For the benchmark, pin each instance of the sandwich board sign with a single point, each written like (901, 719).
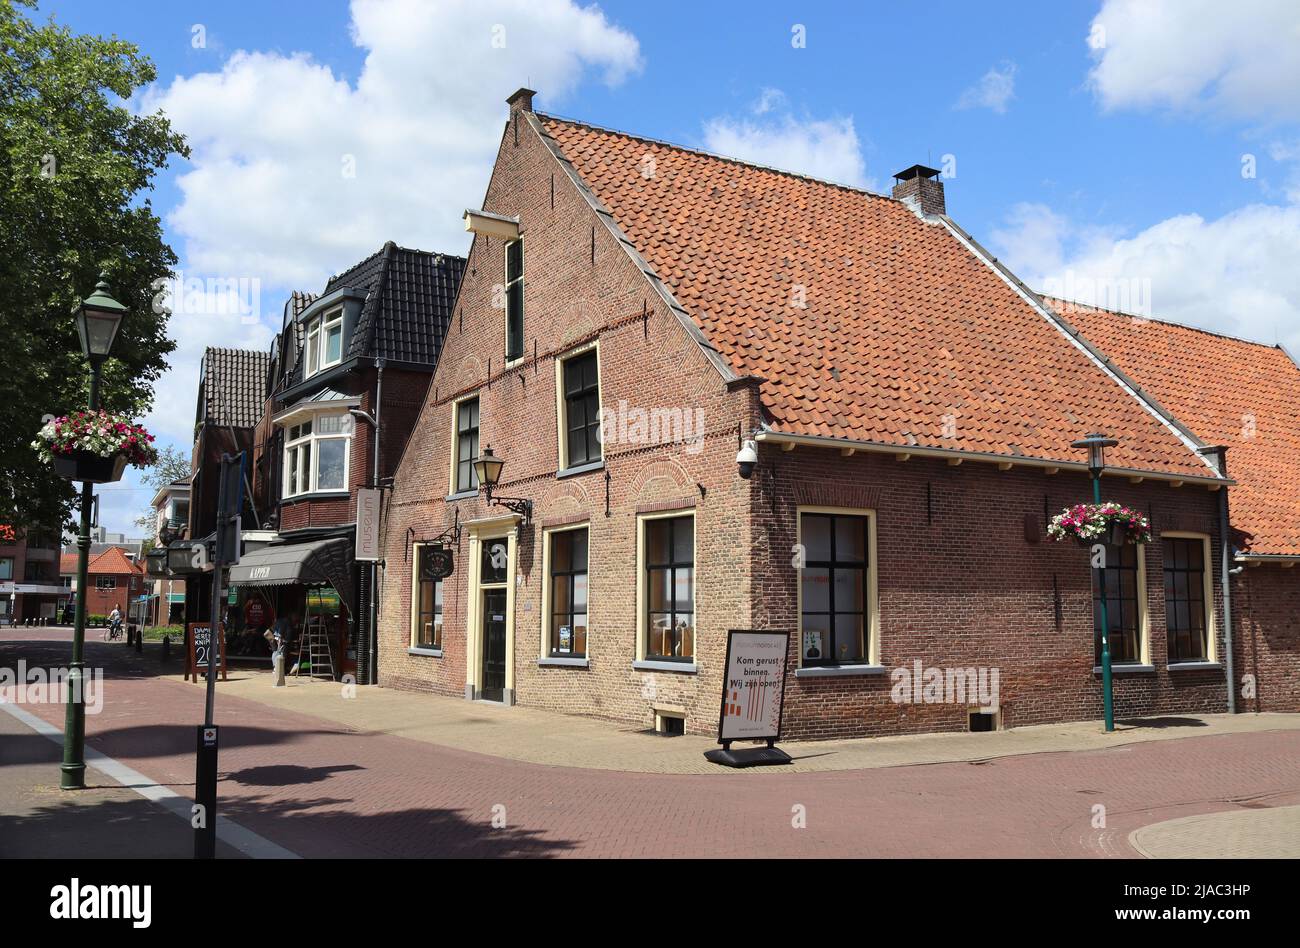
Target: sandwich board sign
(196, 657)
(753, 692)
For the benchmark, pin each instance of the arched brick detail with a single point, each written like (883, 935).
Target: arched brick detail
(856, 496)
(469, 372)
(563, 500)
(661, 479)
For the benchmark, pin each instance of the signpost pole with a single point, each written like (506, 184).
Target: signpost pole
(226, 552)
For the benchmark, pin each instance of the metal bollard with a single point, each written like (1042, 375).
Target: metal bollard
(139, 640)
(166, 647)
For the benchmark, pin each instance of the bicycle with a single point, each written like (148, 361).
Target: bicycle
(114, 631)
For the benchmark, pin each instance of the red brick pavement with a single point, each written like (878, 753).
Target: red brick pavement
(320, 789)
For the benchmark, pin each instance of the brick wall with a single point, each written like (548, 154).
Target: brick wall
(959, 586)
(573, 296)
(1266, 611)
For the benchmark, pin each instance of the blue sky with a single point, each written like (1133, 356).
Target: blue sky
(1102, 141)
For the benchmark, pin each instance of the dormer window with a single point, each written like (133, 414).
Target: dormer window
(324, 343)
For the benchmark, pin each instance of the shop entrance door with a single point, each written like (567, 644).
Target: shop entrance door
(494, 644)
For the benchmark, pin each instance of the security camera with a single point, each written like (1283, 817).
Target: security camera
(746, 458)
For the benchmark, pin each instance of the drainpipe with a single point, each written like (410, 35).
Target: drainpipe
(1225, 568)
(374, 567)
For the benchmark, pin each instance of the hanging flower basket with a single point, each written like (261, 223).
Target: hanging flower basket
(94, 446)
(1109, 523)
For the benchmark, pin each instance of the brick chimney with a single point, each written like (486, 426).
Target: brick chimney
(920, 188)
(521, 101)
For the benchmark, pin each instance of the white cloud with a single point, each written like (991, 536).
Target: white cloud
(994, 90)
(269, 192)
(1235, 274)
(1239, 59)
(828, 149)
(265, 197)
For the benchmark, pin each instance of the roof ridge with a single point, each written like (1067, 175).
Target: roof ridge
(717, 156)
(1166, 322)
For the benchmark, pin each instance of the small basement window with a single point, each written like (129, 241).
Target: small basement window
(669, 724)
(981, 720)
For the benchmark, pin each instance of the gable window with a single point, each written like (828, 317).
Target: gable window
(515, 299)
(324, 342)
(1187, 599)
(568, 593)
(581, 406)
(670, 588)
(105, 582)
(834, 589)
(466, 478)
(427, 602)
(1123, 605)
(316, 455)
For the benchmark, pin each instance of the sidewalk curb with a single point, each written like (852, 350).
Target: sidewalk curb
(230, 833)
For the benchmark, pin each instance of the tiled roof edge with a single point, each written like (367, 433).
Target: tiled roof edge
(1166, 322)
(716, 156)
(1099, 358)
(656, 284)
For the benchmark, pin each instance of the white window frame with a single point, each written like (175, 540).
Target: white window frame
(547, 534)
(105, 582)
(313, 440)
(871, 617)
(643, 592)
(316, 362)
(452, 482)
(1211, 613)
(506, 283)
(414, 644)
(562, 406)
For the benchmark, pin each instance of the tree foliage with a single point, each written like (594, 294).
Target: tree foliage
(76, 168)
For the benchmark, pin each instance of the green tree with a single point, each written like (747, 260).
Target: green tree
(76, 166)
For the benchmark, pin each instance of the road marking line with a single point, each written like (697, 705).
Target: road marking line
(229, 832)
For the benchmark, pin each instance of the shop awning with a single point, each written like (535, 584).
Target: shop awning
(326, 561)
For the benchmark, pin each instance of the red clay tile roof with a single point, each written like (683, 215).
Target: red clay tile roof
(1227, 391)
(903, 328)
(67, 563)
(112, 562)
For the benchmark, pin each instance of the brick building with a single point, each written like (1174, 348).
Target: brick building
(113, 579)
(352, 361)
(911, 407)
(1241, 394)
(30, 588)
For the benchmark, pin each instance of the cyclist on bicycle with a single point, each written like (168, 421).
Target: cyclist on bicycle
(115, 622)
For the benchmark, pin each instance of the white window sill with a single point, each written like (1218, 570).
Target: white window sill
(430, 652)
(462, 495)
(580, 469)
(319, 494)
(1195, 666)
(1126, 669)
(839, 671)
(651, 665)
(558, 661)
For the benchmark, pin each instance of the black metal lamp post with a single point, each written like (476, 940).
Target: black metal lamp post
(98, 318)
(487, 466)
(1096, 444)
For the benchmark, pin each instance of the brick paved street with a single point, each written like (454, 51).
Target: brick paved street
(323, 788)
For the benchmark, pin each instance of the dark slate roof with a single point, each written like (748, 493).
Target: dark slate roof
(232, 391)
(409, 299)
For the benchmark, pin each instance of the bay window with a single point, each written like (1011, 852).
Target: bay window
(316, 455)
